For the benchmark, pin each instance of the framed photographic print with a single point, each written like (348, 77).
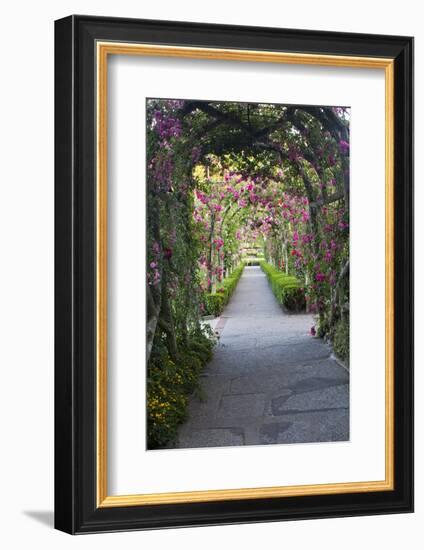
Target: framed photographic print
(234, 269)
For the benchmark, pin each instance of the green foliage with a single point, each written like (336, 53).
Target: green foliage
(229, 284)
(169, 383)
(341, 340)
(253, 261)
(215, 303)
(323, 328)
(212, 188)
(293, 297)
(287, 289)
(166, 403)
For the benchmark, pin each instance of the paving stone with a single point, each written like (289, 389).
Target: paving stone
(325, 398)
(272, 433)
(288, 353)
(264, 383)
(212, 438)
(237, 345)
(322, 426)
(289, 377)
(233, 363)
(241, 406)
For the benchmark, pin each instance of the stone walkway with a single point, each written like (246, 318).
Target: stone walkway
(269, 381)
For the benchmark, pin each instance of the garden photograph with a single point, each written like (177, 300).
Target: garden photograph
(247, 273)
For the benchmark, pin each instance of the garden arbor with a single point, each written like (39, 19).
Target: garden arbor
(220, 175)
(220, 172)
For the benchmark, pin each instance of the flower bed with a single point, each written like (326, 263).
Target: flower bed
(170, 382)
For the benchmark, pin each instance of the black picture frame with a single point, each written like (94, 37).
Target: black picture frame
(76, 510)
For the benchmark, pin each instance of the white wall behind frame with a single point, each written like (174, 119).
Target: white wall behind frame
(26, 277)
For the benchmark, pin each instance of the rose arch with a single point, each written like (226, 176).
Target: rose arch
(228, 182)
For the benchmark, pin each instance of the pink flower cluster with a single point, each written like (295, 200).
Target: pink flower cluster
(166, 126)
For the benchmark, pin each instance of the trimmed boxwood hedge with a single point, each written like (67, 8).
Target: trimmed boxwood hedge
(286, 288)
(215, 303)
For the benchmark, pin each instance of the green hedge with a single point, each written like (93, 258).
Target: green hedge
(253, 260)
(286, 288)
(215, 303)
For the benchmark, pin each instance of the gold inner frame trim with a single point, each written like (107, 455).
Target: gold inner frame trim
(103, 50)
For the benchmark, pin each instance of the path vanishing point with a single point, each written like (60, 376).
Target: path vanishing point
(269, 381)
